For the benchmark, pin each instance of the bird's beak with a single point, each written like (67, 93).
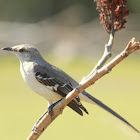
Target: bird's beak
(7, 49)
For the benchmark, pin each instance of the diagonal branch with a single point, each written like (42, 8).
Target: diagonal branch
(97, 74)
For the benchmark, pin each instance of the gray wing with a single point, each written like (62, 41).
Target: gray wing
(59, 82)
(66, 84)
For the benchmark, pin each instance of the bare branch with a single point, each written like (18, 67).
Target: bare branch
(98, 73)
(107, 54)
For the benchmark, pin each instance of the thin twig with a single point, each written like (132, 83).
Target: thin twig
(107, 54)
(47, 120)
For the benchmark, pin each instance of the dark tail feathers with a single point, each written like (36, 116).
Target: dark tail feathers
(102, 105)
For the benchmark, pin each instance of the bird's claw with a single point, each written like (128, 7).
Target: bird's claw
(50, 110)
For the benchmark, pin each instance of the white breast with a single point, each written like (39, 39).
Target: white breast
(27, 72)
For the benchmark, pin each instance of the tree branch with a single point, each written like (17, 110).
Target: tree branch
(97, 74)
(107, 54)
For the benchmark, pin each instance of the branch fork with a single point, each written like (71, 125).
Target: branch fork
(98, 72)
(132, 45)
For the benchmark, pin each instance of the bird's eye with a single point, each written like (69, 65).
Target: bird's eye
(21, 50)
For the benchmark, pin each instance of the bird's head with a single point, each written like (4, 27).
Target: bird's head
(24, 52)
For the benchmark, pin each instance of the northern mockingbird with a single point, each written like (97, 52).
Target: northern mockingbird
(51, 82)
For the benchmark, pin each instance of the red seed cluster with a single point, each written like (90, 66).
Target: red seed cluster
(112, 13)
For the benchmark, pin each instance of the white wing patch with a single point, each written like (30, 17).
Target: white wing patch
(55, 87)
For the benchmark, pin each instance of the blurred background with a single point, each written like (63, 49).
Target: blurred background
(68, 34)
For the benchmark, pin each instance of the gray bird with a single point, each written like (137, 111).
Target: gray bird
(51, 82)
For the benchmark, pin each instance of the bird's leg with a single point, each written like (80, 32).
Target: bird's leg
(50, 108)
(50, 111)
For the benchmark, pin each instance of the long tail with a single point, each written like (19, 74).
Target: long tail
(102, 105)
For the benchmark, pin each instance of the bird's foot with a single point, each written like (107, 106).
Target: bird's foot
(50, 109)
